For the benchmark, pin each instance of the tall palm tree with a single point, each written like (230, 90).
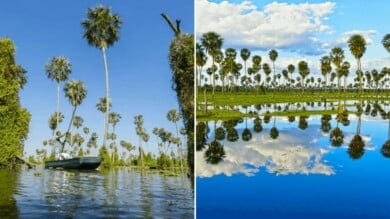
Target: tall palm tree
(273, 55)
(75, 92)
(345, 71)
(212, 42)
(386, 42)
(291, 69)
(304, 71)
(326, 68)
(245, 54)
(337, 56)
(78, 121)
(142, 134)
(101, 30)
(113, 119)
(357, 46)
(54, 120)
(174, 117)
(58, 69)
(201, 60)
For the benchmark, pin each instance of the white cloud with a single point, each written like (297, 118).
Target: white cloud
(278, 25)
(292, 153)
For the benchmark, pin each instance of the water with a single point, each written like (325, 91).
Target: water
(119, 193)
(299, 174)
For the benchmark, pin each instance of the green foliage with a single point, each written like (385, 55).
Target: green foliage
(164, 162)
(181, 60)
(106, 159)
(14, 120)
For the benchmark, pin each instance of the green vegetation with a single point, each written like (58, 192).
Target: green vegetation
(181, 60)
(14, 120)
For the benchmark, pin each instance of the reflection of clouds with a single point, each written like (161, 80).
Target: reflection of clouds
(293, 152)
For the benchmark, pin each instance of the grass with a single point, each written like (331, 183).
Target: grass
(246, 98)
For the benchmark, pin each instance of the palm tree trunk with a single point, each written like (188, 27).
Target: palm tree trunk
(179, 147)
(360, 77)
(213, 75)
(58, 116)
(67, 131)
(107, 97)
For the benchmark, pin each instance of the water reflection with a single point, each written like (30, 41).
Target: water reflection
(286, 148)
(119, 193)
(8, 184)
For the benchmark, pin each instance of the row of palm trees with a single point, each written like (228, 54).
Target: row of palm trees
(224, 65)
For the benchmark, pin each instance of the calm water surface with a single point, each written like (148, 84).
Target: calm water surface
(119, 193)
(298, 172)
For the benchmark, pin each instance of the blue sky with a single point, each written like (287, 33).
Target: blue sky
(140, 77)
(298, 29)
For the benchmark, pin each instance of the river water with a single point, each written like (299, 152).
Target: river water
(292, 167)
(118, 193)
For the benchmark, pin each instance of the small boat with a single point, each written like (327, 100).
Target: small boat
(81, 163)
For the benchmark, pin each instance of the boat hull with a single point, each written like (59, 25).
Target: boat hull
(82, 163)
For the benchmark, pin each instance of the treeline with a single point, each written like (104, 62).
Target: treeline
(227, 74)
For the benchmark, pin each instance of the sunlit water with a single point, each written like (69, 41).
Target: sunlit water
(119, 193)
(299, 174)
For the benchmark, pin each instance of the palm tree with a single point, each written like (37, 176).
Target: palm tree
(326, 68)
(337, 56)
(76, 92)
(212, 42)
(101, 30)
(304, 71)
(291, 69)
(174, 116)
(113, 119)
(245, 54)
(345, 71)
(357, 46)
(78, 121)
(102, 104)
(201, 60)
(58, 69)
(141, 132)
(54, 120)
(386, 42)
(273, 55)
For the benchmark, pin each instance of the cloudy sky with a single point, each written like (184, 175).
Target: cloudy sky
(298, 30)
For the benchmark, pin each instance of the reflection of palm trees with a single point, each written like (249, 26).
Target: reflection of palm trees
(8, 205)
(220, 133)
(303, 122)
(215, 152)
(356, 147)
(274, 133)
(325, 124)
(386, 146)
(232, 134)
(291, 119)
(336, 137)
(201, 135)
(246, 135)
(257, 127)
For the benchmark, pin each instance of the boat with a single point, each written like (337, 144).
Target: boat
(81, 163)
